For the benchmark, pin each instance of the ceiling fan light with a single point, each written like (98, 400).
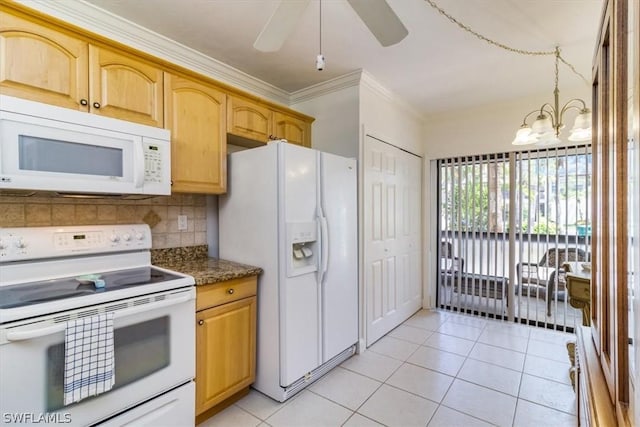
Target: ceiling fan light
(523, 136)
(542, 125)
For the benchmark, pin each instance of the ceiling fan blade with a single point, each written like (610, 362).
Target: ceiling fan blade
(280, 25)
(381, 20)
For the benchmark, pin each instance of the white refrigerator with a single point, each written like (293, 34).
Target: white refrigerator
(293, 211)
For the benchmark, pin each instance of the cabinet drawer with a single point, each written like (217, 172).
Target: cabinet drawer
(224, 292)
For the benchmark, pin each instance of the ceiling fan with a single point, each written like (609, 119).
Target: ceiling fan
(377, 15)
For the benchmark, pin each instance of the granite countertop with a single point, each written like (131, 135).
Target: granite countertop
(194, 261)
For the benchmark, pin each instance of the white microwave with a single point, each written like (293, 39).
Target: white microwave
(44, 148)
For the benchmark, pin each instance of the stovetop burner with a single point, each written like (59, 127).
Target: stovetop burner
(71, 287)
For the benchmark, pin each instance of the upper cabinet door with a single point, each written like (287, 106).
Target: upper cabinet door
(195, 114)
(248, 119)
(294, 130)
(125, 88)
(42, 64)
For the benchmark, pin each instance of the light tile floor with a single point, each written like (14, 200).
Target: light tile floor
(436, 369)
(533, 308)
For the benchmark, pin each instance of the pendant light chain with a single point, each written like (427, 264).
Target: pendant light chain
(573, 69)
(320, 27)
(504, 46)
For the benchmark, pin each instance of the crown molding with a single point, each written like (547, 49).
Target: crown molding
(114, 27)
(336, 84)
(107, 24)
(372, 84)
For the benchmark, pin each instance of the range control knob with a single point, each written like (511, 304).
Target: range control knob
(139, 235)
(3, 245)
(114, 238)
(20, 243)
(126, 237)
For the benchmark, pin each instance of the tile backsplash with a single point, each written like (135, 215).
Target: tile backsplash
(161, 213)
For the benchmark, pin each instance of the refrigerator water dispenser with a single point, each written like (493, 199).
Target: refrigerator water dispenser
(302, 248)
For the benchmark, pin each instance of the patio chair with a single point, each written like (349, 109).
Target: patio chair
(548, 273)
(449, 264)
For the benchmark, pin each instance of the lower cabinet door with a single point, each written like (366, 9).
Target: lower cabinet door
(225, 351)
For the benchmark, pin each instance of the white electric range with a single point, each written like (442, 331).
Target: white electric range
(52, 275)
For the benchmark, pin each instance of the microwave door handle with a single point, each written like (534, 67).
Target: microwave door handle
(49, 330)
(139, 164)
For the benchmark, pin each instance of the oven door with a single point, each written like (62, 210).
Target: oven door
(154, 340)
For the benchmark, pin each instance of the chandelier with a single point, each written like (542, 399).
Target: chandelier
(545, 130)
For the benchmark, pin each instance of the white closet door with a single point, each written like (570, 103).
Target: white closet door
(392, 236)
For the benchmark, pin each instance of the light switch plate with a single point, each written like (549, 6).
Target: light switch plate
(182, 222)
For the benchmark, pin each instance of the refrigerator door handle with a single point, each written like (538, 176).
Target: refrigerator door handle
(324, 240)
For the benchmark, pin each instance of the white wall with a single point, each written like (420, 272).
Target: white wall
(491, 128)
(335, 129)
(387, 118)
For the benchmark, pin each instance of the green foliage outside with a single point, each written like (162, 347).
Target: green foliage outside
(475, 196)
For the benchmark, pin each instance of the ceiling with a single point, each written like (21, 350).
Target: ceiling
(437, 68)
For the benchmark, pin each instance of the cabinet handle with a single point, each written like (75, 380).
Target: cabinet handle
(84, 102)
(96, 105)
(200, 322)
(230, 291)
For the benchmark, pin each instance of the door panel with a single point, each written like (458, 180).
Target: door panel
(340, 284)
(195, 115)
(55, 69)
(225, 359)
(300, 350)
(392, 234)
(125, 88)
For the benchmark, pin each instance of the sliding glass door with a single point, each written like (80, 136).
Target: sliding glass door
(508, 223)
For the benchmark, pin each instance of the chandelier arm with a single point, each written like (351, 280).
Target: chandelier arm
(570, 104)
(524, 121)
(549, 109)
(554, 119)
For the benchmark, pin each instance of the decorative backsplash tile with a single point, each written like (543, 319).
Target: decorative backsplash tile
(161, 213)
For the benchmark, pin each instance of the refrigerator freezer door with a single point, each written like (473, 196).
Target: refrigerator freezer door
(340, 281)
(299, 294)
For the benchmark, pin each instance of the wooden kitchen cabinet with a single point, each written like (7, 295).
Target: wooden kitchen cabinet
(257, 122)
(225, 343)
(195, 114)
(124, 87)
(293, 129)
(41, 64)
(248, 119)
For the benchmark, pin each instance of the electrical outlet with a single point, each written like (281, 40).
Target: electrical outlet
(182, 222)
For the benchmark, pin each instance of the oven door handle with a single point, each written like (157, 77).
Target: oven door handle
(49, 330)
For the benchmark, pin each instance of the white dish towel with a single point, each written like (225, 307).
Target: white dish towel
(89, 357)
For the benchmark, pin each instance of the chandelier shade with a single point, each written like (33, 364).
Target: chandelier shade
(581, 130)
